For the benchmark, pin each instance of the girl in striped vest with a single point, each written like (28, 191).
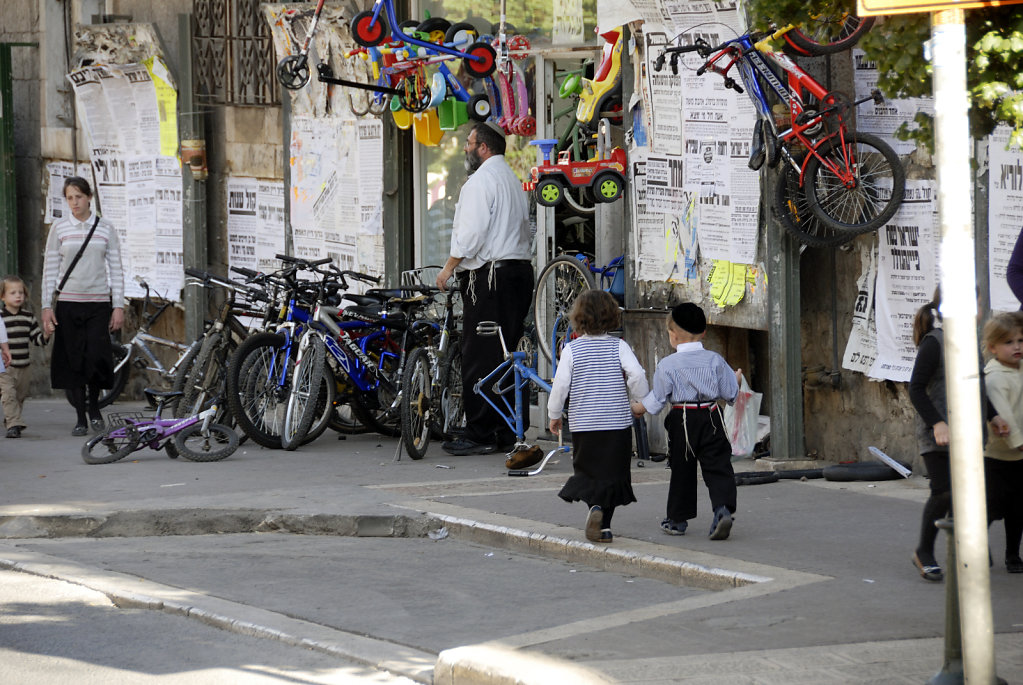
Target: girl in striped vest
(598, 371)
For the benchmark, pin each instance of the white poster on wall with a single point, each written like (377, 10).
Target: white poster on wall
(1005, 214)
(906, 274)
(884, 117)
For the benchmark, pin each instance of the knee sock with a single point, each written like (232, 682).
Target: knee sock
(936, 507)
(78, 401)
(605, 521)
(1013, 533)
(93, 393)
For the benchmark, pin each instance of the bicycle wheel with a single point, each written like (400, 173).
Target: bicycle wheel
(452, 411)
(108, 395)
(827, 34)
(220, 442)
(367, 33)
(344, 420)
(257, 383)
(559, 284)
(417, 404)
(306, 389)
(199, 378)
(115, 443)
(874, 193)
(793, 212)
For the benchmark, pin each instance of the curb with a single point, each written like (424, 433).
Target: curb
(129, 592)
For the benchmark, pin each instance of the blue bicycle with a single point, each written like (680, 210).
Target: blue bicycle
(560, 282)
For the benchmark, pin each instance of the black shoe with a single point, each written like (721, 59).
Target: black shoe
(462, 447)
(606, 535)
(594, 517)
(79, 430)
(98, 425)
(14, 432)
(1012, 564)
(722, 525)
(931, 572)
(674, 528)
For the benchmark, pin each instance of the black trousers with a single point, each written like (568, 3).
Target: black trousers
(703, 431)
(506, 300)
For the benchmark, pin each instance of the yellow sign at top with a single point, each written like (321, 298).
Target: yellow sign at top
(870, 8)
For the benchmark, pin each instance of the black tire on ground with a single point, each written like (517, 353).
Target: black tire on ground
(253, 394)
(306, 393)
(755, 477)
(864, 470)
(219, 444)
(796, 474)
(417, 403)
(106, 449)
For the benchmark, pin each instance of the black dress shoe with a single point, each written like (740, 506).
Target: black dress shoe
(79, 430)
(14, 432)
(464, 447)
(98, 425)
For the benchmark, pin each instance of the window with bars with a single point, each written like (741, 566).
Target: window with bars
(234, 57)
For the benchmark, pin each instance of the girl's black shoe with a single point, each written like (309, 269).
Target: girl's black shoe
(79, 430)
(1014, 564)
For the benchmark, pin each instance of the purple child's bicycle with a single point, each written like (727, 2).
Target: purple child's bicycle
(196, 437)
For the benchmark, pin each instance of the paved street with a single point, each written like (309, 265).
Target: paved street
(336, 563)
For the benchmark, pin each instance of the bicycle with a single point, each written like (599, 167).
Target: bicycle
(373, 361)
(431, 385)
(137, 351)
(196, 438)
(260, 371)
(561, 281)
(203, 376)
(853, 182)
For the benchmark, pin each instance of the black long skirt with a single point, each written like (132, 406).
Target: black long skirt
(601, 462)
(82, 353)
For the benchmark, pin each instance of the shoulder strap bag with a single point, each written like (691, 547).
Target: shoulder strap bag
(74, 262)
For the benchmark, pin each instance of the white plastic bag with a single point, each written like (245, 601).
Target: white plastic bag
(741, 420)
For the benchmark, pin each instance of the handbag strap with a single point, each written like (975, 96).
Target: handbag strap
(74, 262)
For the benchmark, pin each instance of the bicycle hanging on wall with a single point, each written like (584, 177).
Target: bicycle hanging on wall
(837, 182)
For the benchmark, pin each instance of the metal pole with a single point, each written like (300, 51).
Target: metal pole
(959, 309)
(951, 672)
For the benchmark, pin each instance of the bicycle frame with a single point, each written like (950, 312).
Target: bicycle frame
(755, 62)
(140, 342)
(156, 432)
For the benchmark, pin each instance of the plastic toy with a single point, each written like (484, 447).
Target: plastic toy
(604, 179)
(601, 92)
(370, 29)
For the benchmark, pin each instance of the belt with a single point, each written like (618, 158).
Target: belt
(695, 405)
(498, 263)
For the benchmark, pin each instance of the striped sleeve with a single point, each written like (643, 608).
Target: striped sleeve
(115, 268)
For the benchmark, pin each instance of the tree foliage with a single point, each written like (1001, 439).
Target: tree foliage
(994, 50)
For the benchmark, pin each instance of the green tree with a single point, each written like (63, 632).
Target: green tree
(994, 50)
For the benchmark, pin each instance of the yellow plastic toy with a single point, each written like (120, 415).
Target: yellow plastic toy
(426, 126)
(598, 93)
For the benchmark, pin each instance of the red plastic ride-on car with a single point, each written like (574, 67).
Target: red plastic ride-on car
(605, 178)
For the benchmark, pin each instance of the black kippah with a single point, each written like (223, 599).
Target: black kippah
(689, 317)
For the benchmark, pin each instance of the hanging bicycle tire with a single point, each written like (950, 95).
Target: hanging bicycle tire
(560, 282)
(827, 34)
(873, 194)
(793, 213)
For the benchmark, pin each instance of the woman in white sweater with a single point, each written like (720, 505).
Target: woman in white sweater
(88, 307)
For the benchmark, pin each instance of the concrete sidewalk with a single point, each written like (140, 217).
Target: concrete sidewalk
(446, 570)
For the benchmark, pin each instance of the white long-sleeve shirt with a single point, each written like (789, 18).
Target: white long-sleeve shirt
(591, 367)
(491, 218)
(99, 274)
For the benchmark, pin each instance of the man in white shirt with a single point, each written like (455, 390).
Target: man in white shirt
(491, 259)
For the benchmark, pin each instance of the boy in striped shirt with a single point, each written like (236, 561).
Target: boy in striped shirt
(22, 328)
(692, 380)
